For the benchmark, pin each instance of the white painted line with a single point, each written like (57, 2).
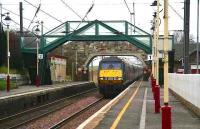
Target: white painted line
(103, 110)
(39, 91)
(143, 114)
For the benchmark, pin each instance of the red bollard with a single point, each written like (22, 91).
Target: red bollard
(153, 88)
(157, 99)
(166, 117)
(8, 83)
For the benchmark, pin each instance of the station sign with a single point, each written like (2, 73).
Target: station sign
(149, 57)
(40, 56)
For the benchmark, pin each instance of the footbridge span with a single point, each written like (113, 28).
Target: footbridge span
(80, 31)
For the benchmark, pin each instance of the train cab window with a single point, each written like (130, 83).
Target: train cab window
(111, 65)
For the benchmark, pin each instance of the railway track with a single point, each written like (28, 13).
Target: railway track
(67, 119)
(25, 117)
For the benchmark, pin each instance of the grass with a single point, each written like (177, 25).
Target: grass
(3, 85)
(4, 69)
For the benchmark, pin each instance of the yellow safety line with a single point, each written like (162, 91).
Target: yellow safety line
(116, 122)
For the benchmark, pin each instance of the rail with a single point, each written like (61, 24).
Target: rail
(61, 123)
(21, 114)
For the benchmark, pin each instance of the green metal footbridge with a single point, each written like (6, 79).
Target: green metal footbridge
(80, 31)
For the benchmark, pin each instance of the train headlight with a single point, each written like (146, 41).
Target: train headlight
(101, 78)
(119, 78)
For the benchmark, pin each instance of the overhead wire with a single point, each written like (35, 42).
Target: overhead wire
(82, 19)
(38, 9)
(35, 15)
(71, 8)
(173, 9)
(176, 12)
(16, 14)
(23, 17)
(127, 6)
(88, 11)
(44, 12)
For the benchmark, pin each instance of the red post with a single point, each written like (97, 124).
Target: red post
(166, 116)
(8, 83)
(157, 99)
(153, 88)
(153, 84)
(37, 81)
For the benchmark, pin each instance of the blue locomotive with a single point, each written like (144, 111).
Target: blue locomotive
(115, 74)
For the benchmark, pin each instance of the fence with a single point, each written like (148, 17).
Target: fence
(16, 78)
(186, 86)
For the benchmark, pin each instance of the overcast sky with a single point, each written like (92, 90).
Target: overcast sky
(102, 10)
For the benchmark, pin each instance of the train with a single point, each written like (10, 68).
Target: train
(115, 74)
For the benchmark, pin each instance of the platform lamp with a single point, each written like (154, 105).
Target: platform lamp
(37, 31)
(157, 4)
(153, 48)
(7, 21)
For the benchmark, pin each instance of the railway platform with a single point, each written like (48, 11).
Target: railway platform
(29, 96)
(31, 89)
(134, 109)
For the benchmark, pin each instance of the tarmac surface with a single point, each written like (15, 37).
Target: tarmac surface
(140, 112)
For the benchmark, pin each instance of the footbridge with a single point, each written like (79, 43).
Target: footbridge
(80, 31)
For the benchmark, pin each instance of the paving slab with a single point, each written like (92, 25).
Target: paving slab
(182, 118)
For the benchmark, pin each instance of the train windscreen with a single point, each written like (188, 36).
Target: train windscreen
(110, 65)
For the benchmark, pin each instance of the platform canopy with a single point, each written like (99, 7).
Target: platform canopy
(90, 31)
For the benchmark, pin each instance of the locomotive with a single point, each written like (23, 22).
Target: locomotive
(115, 74)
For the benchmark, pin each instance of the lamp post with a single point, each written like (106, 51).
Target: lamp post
(156, 39)
(76, 54)
(36, 31)
(75, 48)
(1, 29)
(8, 20)
(92, 70)
(153, 48)
(166, 109)
(198, 37)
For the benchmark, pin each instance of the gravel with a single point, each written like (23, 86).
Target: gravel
(73, 124)
(49, 120)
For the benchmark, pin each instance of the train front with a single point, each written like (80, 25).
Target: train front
(110, 77)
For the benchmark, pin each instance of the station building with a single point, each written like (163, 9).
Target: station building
(57, 68)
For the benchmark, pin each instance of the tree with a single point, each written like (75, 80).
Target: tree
(2, 47)
(179, 37)
(16, 61)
